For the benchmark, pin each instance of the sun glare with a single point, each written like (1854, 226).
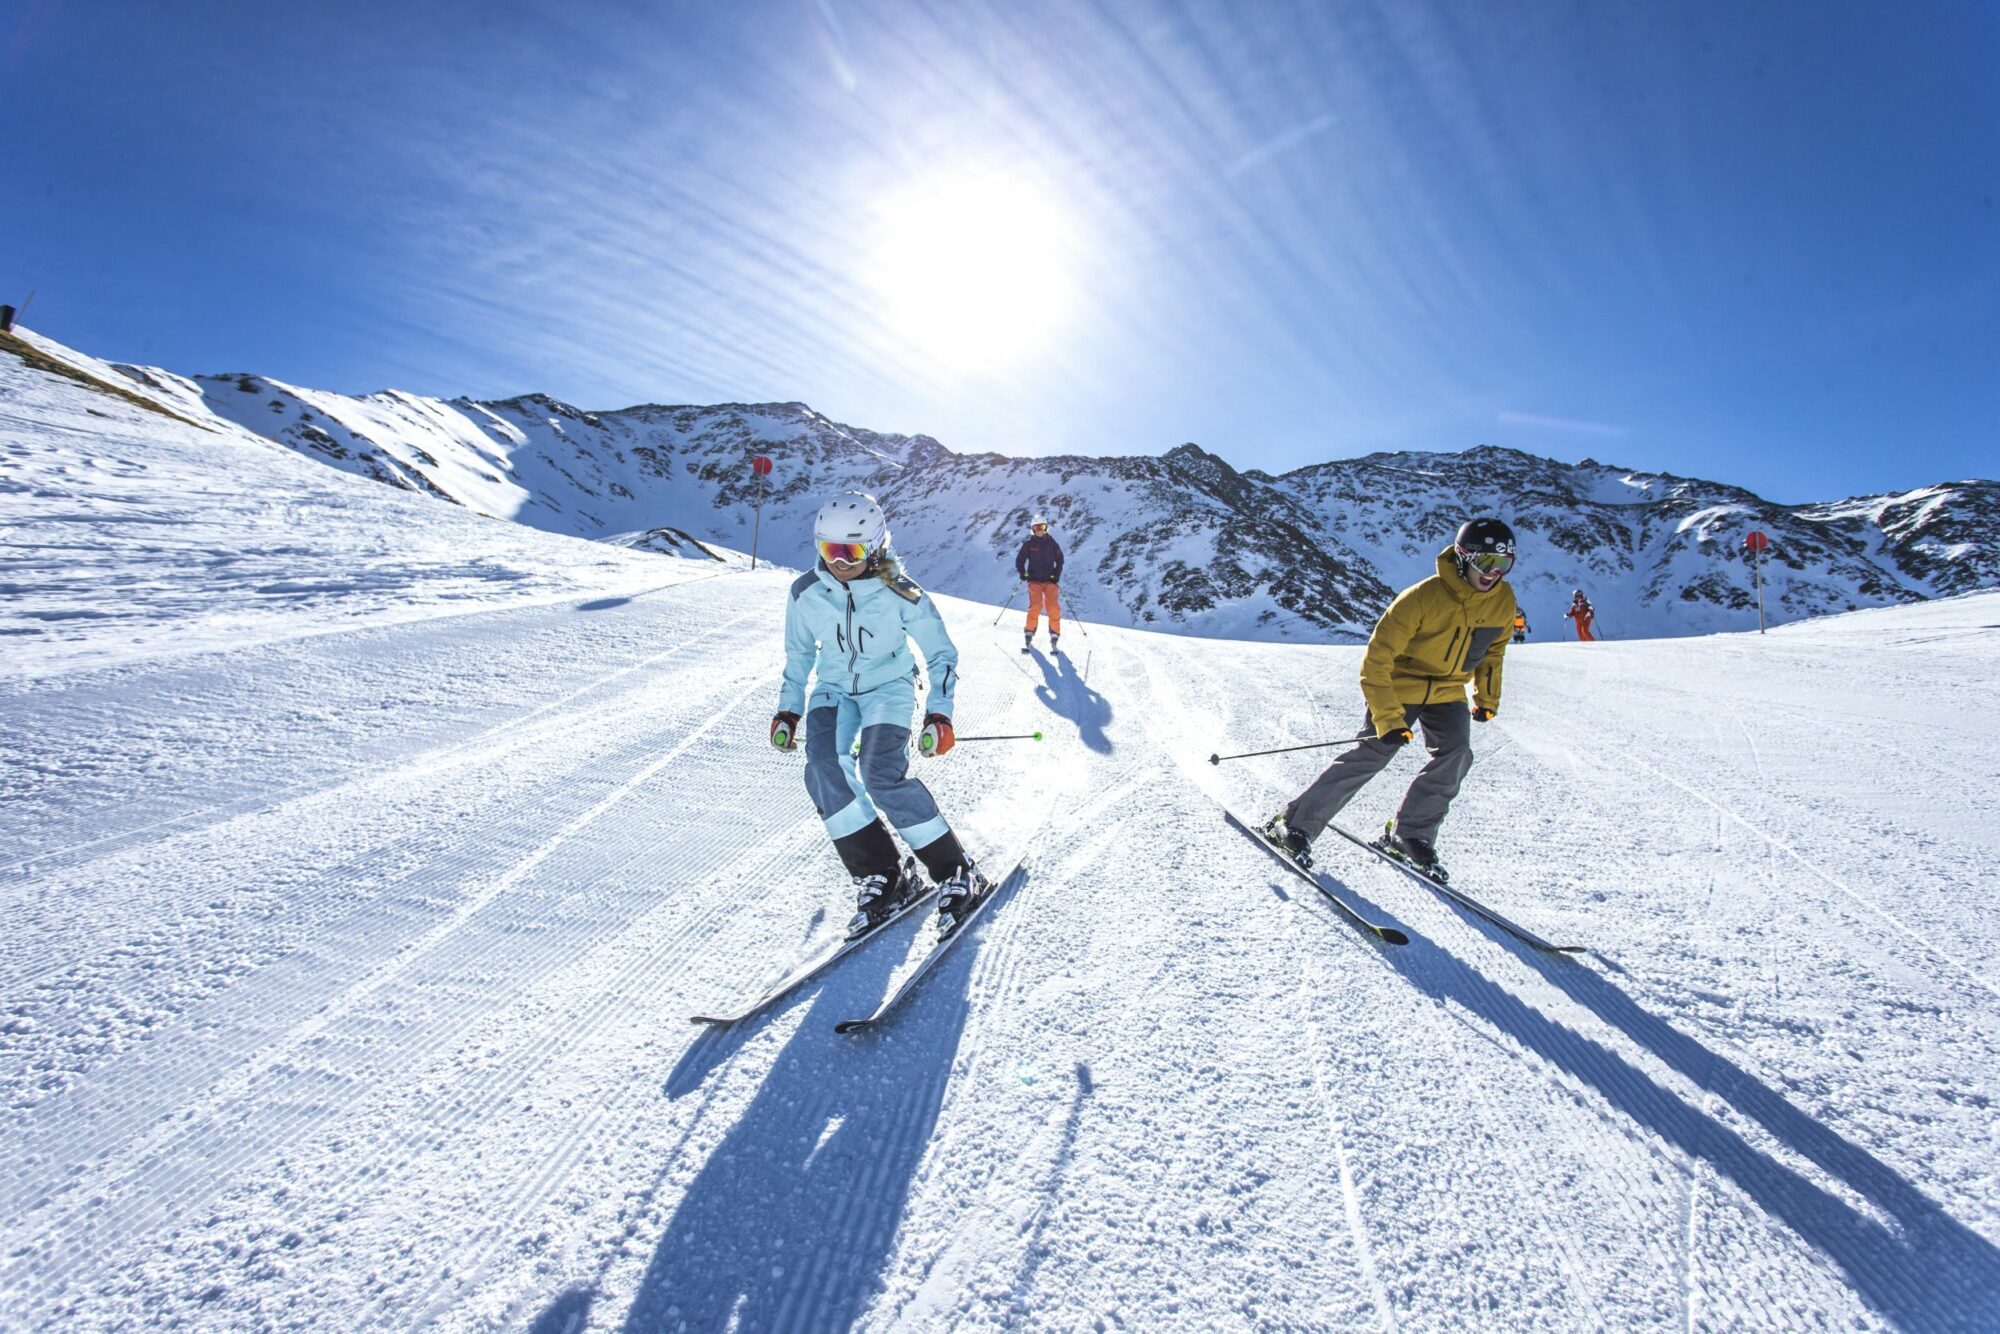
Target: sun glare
(974, 271)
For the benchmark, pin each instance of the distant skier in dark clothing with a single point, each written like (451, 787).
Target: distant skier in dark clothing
(1585, 616)
(1040, 563)
(1438, 635)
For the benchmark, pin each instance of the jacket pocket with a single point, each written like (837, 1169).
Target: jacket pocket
(1480, 644)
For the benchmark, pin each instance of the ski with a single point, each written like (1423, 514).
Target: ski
(1465, 901)
(1387, 934)
(815, 965)
(937, 952)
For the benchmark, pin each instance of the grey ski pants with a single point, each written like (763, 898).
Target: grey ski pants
(1447, 732)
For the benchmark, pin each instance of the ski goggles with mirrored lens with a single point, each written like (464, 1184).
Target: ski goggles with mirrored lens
(846, 553)
(1489, 562)
(1040, 528)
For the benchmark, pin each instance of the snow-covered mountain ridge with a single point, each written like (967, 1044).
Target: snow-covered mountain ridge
(1182, 541)
(133, 536)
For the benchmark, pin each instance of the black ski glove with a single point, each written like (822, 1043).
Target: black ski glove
(1481, 715)
(1399, 736)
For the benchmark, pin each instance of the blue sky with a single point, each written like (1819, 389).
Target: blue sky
(1756, 242)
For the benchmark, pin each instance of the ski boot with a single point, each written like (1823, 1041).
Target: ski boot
(961, 892)
(1055, 643)
(1416, 852)
(879, 897)
(1028, 642)
(1288, 840)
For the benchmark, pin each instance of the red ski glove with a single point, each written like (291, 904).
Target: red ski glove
(937, 738)
(785, 731)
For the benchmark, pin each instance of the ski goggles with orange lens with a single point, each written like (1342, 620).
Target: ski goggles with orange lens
(844, 553)
(1489, 562)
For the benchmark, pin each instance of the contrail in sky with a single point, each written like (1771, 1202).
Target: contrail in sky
(1562, 424)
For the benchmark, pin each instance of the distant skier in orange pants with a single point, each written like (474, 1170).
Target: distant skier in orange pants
(1040, 563)
(1583, 614)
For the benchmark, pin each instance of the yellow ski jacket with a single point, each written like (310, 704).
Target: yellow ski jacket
(1436, 636)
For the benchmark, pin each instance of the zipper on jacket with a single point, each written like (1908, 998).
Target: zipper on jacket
(853, 644)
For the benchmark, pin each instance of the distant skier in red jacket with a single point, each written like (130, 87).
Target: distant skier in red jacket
(1585, 616)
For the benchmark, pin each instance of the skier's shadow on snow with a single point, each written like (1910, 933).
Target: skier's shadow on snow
(1068, 695)
(568, 1313)
(789, 1222)
(1925, 1271)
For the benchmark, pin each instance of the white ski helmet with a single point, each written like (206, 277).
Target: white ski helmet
(1038, 521)
(853, 517)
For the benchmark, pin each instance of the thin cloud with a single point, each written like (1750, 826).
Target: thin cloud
(838, 53)
(1298, 134)
(1570, 424)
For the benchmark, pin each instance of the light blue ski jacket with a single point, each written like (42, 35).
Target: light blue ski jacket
(857, 636)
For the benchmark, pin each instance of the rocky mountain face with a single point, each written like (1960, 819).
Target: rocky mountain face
(1659, 554)
(1182, 541)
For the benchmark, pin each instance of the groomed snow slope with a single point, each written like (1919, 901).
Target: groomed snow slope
(347, 948)
(345, 983)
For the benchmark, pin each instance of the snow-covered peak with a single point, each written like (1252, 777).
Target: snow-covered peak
(1183, 540)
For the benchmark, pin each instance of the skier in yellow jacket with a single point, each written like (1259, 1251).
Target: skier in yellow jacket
(1437, 636)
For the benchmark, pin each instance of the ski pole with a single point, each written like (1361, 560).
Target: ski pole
(1317, 745)
(1081, 624)
(1076, 618)
(1018, 736)
(1008, 603)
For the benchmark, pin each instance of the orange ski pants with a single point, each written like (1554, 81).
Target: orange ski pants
(1041, 598)
(1583, 628)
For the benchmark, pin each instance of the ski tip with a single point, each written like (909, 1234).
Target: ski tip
(1570, 949)
(850, 1025)
(713, 1021)
(1392, 935)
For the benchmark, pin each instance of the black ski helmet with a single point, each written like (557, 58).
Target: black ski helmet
(1489, 535)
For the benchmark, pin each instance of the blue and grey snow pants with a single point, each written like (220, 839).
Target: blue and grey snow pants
(848, 789)
(1447, 736)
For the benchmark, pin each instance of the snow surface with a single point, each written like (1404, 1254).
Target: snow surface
(128, 535)
(347, 949)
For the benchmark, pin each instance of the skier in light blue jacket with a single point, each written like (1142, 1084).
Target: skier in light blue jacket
(848, 624)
